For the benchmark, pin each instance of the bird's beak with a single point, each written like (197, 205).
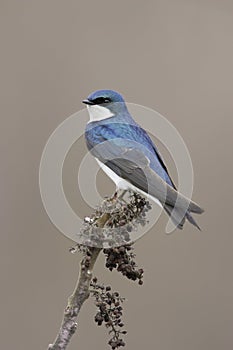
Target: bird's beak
(87, 102)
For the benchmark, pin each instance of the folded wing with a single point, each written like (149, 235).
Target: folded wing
(130, 163)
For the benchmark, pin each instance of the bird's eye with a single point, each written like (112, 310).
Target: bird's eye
(107, 100)
(101, 100)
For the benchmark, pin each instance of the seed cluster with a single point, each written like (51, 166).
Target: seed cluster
(121, 218)
(122, 259)
(79, 248)
(124, 213)
(111, 227)
(109, 312)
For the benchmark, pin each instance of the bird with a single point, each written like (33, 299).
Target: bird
(127, 154)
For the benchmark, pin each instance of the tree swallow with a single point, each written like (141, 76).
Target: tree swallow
(129, 157)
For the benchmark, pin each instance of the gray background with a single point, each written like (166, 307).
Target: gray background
(173, 56)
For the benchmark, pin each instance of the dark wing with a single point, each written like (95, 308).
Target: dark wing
(133, 133)
(132, 165)
(157, 154)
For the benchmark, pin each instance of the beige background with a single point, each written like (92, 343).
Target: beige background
(171, 55)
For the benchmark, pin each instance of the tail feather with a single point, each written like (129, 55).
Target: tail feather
(192, 221)
(194, 208)
(178, 218)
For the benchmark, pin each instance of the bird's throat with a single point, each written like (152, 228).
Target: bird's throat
(98, 113)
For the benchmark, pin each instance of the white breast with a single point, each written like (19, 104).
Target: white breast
(119, 182)
(123, 184)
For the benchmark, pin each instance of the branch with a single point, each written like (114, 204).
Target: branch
(112, 214)
(80, 294)
(75, 301)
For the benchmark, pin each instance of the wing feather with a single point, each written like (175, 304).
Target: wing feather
(132, 165)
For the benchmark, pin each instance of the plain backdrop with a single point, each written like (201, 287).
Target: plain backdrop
(174, 56)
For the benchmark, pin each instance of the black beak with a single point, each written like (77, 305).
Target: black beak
(87, 102)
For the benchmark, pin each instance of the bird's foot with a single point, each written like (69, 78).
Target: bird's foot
(119, 195)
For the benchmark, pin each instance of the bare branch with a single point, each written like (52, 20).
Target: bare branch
(80, 294)
(75, 302)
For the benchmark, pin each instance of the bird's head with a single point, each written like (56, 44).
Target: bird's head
(103, 104)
